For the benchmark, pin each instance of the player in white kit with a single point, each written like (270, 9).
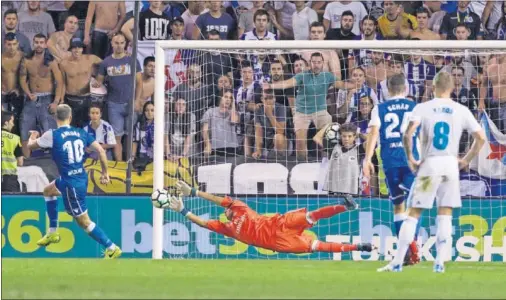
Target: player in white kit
(442, 121)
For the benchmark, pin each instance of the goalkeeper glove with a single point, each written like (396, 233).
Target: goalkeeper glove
(186, 189)
(176, 204)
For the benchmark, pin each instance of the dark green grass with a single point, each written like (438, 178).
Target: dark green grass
(130, 279)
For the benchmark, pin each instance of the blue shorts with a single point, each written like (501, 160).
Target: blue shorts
(399, 181)
(74, 196)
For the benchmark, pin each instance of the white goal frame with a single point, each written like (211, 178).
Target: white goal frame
(161, 46)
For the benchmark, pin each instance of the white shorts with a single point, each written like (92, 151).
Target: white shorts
(445, 189)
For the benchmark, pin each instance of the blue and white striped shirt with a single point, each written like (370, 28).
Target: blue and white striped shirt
(253, 36)
(419, 73)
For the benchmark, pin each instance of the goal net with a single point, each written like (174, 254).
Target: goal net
(243, 121)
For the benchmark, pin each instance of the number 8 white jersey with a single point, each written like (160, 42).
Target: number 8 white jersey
(442, 124)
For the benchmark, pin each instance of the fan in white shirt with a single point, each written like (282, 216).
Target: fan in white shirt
(302, 19)
(334, 10)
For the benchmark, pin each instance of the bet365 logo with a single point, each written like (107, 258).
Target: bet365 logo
(22, 231)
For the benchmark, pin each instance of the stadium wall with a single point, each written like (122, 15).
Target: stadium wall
(479, 229)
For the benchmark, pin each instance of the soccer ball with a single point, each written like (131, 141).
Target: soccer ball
(332, 134)
(160, 198)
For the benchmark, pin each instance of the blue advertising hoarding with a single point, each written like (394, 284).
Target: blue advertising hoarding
(479, 229)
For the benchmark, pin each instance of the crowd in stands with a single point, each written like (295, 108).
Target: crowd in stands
(228, 103)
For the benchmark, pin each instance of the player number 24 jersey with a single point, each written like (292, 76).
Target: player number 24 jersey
(391, 118)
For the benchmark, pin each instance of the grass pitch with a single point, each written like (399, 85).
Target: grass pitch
(236, 279)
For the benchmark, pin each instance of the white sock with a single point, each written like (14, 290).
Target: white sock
(52, 229)
(406, 236)
(53, 198)
(443, 238)
(112, 247)
(90, 227)
(400, 217)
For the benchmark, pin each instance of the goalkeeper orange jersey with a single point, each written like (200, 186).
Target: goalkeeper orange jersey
(246, 225)
(281, 233)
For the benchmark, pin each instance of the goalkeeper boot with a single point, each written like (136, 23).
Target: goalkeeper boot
(49, 238)
(112, 254)
(349, 203)
(366, 247)
(412, 257)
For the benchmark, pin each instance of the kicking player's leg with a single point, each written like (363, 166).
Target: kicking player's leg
(95, 232)
(75, 205)
(50, 193)
(393, 181)
(332, 210)
(412, 256)
(421, 197)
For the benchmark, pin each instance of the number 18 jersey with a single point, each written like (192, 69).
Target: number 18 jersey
(391, 118)
(69, 145)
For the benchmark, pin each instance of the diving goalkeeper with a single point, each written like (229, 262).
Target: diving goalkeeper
(280, 233)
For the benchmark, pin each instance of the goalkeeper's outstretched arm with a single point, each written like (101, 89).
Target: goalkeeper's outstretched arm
(193, 192)
(176, 204)
(196, 219)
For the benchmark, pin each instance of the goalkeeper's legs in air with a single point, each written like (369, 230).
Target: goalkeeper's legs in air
(319, 246)
(330, 211)
(291, 237)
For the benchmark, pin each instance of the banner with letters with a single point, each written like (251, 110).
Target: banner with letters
(233, 175)
(478, 235)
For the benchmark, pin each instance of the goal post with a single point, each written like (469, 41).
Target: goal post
(270, 46)
(158, 149)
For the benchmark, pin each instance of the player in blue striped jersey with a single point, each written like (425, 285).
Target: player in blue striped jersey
(421, 73)
(69, 145)
(388, 122)
(396, 66)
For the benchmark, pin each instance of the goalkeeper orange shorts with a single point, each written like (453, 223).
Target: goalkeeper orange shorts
(290, 235)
